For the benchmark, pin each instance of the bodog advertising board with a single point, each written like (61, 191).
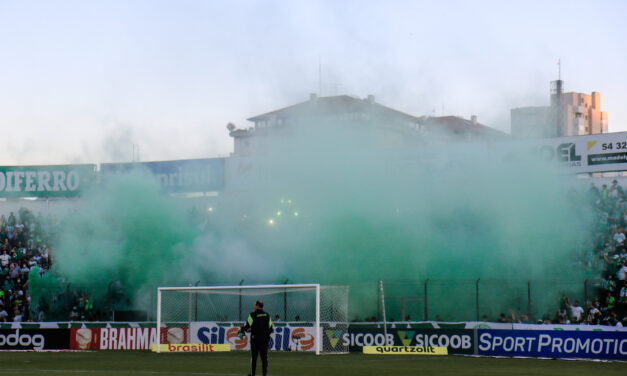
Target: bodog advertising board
(34, 339)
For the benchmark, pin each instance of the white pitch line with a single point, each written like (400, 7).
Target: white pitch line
(134, 372)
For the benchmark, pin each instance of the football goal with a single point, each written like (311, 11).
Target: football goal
(306, 317)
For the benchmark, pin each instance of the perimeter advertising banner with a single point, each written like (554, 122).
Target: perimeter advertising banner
(553, 344)
(182, 176)
(458, 341)
(46, 181)
(34, 339)
(585, 328)
(284, 338)
(581, 154)
(124, 338)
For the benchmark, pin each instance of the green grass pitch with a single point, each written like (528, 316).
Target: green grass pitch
(122, 363)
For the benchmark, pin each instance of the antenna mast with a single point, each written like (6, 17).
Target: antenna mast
(319, 76)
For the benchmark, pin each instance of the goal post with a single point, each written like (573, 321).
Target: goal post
(306, 317)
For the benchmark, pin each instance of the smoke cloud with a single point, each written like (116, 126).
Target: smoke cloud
(338, 203)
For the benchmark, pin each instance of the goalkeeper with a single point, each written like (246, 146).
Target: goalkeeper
(259, 324)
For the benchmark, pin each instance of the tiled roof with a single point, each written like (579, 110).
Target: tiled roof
(457, 124)
(332, 105)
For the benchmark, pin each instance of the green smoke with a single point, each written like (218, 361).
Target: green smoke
(336, 205)
(123, 238)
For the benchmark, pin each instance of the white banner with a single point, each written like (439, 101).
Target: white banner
(581, 154)
(582, 328)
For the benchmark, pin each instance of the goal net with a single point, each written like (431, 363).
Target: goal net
(306, 317)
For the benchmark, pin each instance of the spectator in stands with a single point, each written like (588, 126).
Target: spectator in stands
(619, 238)
(15, 270)
(610, 301)
(594, 314)
(612, 319)
(17, 316)
(11, 234)
(561, 317)
(615, 189)
(8, 283)
(576, 312)
(608, 284)
(613, 261)
(593, 193)
(5, 258)
(25, 269)
(74, 314)
(621, 272)
(604, 193)
(622, 298)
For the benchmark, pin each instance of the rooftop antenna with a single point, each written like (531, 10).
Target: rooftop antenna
(319, 76)
(557, 89)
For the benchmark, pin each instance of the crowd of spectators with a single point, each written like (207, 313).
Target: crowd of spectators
(23, 239)
(608, 256)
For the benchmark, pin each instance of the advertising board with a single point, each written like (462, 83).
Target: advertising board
(284, 338)
(458, 341)
(135, 338)
(34, 339)
(46, 181)
(180, 176)
(553, 343)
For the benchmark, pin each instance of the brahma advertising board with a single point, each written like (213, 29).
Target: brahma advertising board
(132, 338)
(458, 341)
(284, 338)
(553, 343)
(34, 339)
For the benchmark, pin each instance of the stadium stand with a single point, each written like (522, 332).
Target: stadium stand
(24, 239)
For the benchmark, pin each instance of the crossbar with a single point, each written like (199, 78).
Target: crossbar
(238, 287)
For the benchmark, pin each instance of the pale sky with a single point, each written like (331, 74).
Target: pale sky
(84, 81)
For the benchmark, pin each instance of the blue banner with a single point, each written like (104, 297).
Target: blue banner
(182, 176)
(553, 343)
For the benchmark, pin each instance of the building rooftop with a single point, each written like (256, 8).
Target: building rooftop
(333, 105)
(456, 124)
